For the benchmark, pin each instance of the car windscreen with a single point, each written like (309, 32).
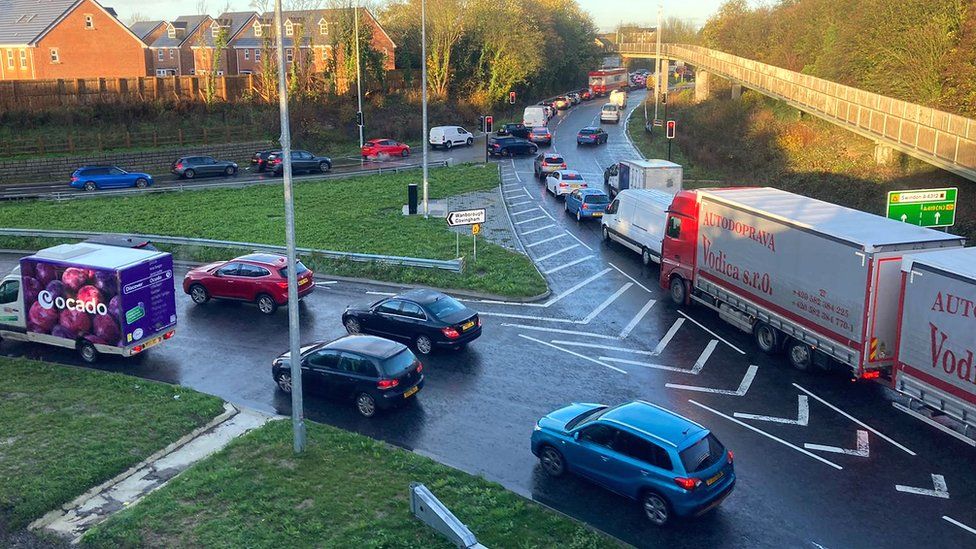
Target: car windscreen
(445, 306)
(596, 199)
(587, 131)
(570, 176)
(300, 269)
(586, 417)
(702, 454)
(398, 363)
(540, 131)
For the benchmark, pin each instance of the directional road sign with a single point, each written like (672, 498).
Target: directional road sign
(923, 207)
(467, 217)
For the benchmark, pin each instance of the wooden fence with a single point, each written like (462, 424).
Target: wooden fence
(99, 142)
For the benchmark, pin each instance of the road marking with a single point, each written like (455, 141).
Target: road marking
(640, 316)
(647, 365)
(550, 239)
(551, 301)
(741, 391)
(524, 211)
(667, 337)
(530, 220)
(855, 420)
(557, 252)
(528, 317)
(546, 213)
(537, 230)
(934, 423)
(559, 331)
(518, 194)
(515, 170)
(606, 303)
(716, 336)
(802, 414)
(863, 447)
(567, 265)
(769, 436)
(380, 293)
(951, 520)
(584, 357)
(601, 347)
(512, 184)
(632, 279)
(939, 488)
(522, 203)
(578, 240)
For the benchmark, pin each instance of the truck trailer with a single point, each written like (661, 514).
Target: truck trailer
(656, 174)
(604, 81)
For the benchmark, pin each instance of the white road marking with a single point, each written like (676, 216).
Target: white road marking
(573, 353)
(636, 320)
(547, 214)
(802, 414)
(578, 240)
(855, 420)
(512, 184)
(550, 239)
(647, 365)
(537, 230)
(863, 446)
(632, 279)
(705, 355)
(557, 252)
(934, 423)
(716, 336)
(939, 488)
(951, 520)
(518, 194)
(567, 265)
(769, 436)
(530, 220)
(741, 391)
(527, 317)
(524, 211)
(667, 337)
(380, 293)
(559, 331)
(606, 303)
(551, 301)
(327, 282)
(515, 170)
(601, 347)
(522, 203)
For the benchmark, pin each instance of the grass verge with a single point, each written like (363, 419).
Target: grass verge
(64, 430)
(353, 215)
(346, 490)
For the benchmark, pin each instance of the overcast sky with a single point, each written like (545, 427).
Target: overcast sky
(606, 13)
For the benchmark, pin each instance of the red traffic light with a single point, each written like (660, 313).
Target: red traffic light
(489, 121)
(511, 97)
(669, 131)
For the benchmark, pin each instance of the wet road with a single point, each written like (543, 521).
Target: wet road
(608, 334)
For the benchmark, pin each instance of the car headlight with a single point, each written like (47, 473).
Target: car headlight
(537, 428)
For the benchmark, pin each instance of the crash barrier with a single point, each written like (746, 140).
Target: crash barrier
(425, 506)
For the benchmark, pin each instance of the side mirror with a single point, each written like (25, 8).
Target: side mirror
(576, 436)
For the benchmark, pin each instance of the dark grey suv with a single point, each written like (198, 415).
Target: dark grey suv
(301, 161)
(189, 167)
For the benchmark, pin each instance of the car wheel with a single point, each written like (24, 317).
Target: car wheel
(283, 380)
(87, 351)
(552, 461)
(405, 153)
(606, 236)
(324, 167)
(449, 145)
(424, 345)
(267, 304)
(800, 355)
(767, 338)
(90, 186)
(469, 142)
(189, 174)
(646, 256)
(199, 294)
(656, 508)
(679, 293)
(366, 405)
(533, 150)
(230, 171)
(579, 216)
(352, 326)
(141, 183)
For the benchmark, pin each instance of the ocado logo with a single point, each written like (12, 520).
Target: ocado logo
(48, 301)
(45, 299)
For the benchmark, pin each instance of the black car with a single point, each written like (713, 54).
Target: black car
(260, 159)
(511, 146)
(426, 318)
(189, 167)
(122, 241)
(515, 130)
(301, 161)
(376, 372)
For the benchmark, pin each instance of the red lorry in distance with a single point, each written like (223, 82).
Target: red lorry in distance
(604, 81)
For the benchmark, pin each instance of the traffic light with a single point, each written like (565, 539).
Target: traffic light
(489, 120)
(511, 97)
(664, 97)
(359, 118)
(669, 132)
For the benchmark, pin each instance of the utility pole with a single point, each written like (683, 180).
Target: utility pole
(423, 83)
(657, 71)
(359, 78)
(297, 407)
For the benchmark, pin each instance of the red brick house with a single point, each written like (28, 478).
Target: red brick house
(149, 32)
(172, 51)
(232, 25)
(49, 39)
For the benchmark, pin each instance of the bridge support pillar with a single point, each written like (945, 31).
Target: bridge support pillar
(883, 154)
(736, 90)
(701, 86)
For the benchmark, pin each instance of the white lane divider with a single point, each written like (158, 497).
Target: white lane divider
(550, 226)
(632, 279)
(863, 447)
(716, 336)
(695, 370)
(530, 220)
(558, 331)
(667, 337)
(522, 203)
(606, 303)
(577, 239)
(568, 265)
(637, 318)
(951, 520)
(802, 414)
(525, 211)
(557, 252)
(939, 488)
(740, 391)
(769, 436)
(584, 357)
(543, 241)
(379, 293)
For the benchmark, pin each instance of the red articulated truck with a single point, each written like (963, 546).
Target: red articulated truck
(819, 281)
(604, 81)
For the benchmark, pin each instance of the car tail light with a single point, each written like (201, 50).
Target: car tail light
(583, 206)
(687, 483)
(561, 185)
(385, 384)
(74, 178)
(283, 285)
(479, 321)
(137, 349)
(169, 334)
(730, 456)
(420, 366)
(563, 165)
(872, 374)
(277, 161)
(450, 332)
(179, 165)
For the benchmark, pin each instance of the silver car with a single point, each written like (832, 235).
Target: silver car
(563, 182)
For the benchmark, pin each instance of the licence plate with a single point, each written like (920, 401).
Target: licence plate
(574, 186)
(714, 479)
(410, 392)
(303, 282)
(598, 214)
(467, 325)
(151, 342)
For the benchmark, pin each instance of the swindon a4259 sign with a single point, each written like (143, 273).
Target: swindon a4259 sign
(923, 207)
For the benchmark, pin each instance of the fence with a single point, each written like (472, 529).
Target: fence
(179, 137)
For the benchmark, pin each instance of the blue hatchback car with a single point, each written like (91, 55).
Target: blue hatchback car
(670, 464)
(91, 178)
(585, 203)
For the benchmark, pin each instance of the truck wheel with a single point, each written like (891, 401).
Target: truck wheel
(767, 338)
(800, 355)
(87, 352)
(679, 292)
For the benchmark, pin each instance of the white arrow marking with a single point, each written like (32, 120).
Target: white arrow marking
(741, 391)
(904, 218)
(938, 483)
(802, 414)
(863, 448)
(636, 320)
(951, 520)
(572, 353)
(937, 216)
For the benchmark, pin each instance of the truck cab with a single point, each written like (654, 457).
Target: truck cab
(678, 249)
(12, 303)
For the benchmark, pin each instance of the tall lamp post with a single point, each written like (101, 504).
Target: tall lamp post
(657, 70)
(297, 409)
(359, 78)
(423, 83)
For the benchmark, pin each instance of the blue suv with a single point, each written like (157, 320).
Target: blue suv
(91, 178)
(672, 465)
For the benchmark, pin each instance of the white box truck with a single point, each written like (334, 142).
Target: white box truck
(93, 298)
(816, 280)
(644, 174)
(535, 117)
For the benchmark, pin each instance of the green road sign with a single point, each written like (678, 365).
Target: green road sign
(923, 207)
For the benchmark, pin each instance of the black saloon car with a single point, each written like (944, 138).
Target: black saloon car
(260, 159)
(377, 373)
(426, 318)
(511, 146)
(515, 130)
(301, 161)
(189, 167)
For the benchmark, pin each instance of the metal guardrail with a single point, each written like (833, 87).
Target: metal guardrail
(942, 139)
(452, 265)
(426, 507)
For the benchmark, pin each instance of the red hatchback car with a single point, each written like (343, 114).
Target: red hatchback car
(384, 147)
(257, 278)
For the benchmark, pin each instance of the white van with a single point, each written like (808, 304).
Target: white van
(448, 136)
(636, 219)
(534, 117)
(610, 113)
(618, 98)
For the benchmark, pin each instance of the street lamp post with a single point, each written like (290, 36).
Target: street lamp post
(297, 409)
(657, 71)
(359, 78)
(423, 83)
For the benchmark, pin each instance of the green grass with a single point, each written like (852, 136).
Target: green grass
(346, 490)
(655, 145)
(353, 215)
(64, 430)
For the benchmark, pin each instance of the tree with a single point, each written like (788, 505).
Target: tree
(211, 57)
(505, 60)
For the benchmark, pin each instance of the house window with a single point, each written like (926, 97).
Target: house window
(55, 56)
(214, 29)
(289, 29)
(171, 31)
(257, 54)
(89, 22)
(247, 54)
(159, 54)
(172, 53)
(160, 72)
(23, 59)
(257, 29)
(323, 27)
(288, 53)
(10, 58)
